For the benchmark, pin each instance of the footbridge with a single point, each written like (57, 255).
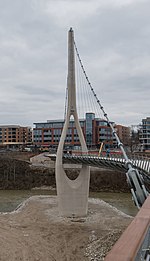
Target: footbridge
(112, 162)
(117, 163)
(142, 164)
(73, 194)
(70, 192)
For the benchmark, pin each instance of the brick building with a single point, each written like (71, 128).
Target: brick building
(124, 133)
(94, 129)
(11, 135)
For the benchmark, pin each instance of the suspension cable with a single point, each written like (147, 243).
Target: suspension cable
(102, 108)
(138, 189)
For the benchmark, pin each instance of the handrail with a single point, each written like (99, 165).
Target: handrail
(130, 243)
(137, 163)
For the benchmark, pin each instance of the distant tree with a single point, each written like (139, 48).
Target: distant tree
(134, 142)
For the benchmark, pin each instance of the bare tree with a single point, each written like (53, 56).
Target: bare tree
(134, 142)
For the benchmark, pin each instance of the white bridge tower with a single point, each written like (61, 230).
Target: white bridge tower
(72, 194)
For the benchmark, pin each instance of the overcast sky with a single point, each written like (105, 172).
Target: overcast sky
(113, 38)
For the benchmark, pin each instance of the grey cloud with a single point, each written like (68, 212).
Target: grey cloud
(113, 39)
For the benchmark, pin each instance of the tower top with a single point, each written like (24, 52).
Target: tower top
(71, 30)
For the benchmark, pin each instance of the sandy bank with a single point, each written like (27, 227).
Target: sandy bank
(35, 231)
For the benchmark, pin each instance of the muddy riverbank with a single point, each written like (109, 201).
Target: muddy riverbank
(11, 199)
(16, 172)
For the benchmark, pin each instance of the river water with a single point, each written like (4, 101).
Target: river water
(10, 199)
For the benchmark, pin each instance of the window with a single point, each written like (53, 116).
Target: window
(57, 132)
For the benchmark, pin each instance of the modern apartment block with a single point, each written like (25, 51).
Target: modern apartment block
(15, 135)
(124, 133)
(94, 129)
(145, 134)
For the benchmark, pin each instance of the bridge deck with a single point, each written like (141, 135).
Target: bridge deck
(107, 162)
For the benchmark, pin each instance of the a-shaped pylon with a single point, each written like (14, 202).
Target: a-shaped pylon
(72, 194)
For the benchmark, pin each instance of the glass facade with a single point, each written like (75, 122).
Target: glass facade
(89, 128)
(145, 134)
(94, 130)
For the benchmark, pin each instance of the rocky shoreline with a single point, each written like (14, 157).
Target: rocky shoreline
(35, 231)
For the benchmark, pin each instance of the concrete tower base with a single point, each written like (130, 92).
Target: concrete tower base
(73, 194)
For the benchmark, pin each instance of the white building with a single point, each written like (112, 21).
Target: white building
(145, 134)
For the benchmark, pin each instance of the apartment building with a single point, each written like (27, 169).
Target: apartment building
(95, 131)
(15, 135)
(124, 133)
(144, 135)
